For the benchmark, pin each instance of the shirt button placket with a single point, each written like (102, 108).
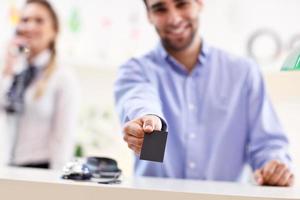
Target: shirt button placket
(191, 167)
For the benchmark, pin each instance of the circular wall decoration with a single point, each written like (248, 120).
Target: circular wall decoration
(264, 45)
(294, 42)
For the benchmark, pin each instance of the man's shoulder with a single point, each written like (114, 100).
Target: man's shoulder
(231, 61)
(148, 59)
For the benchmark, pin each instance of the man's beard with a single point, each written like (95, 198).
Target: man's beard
(175, 46)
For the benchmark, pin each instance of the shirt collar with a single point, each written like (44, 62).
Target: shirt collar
(202, 58)
(205, 52)
(205, 49)
(162, 51)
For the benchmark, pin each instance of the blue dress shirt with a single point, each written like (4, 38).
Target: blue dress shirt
(219, 116)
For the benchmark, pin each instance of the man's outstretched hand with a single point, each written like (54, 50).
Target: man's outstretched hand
(134, 131)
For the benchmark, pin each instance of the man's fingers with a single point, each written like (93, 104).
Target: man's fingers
(269, 169)
(134, 135)
(151, 123)
(133, 140)
(285, 177)
(137, 150)
(258, 177)
(290, 181)
(134, 129)
(148, 125)
(278, 173)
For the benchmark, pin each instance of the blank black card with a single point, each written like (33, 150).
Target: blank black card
(154, 145)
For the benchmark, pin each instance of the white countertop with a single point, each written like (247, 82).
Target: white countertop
(16, 183)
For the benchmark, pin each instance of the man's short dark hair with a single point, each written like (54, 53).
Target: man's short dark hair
(145, 1)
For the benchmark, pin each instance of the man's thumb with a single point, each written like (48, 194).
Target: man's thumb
(148, 125)
(258, 176)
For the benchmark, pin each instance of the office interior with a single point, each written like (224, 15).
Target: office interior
(97, 36)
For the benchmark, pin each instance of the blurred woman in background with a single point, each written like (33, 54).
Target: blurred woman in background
(38, 95)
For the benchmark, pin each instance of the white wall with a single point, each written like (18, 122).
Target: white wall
(111, 31)
(284, 90)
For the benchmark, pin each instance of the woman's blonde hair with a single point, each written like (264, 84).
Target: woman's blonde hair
(50, 68)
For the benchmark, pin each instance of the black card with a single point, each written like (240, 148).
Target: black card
(153, 148)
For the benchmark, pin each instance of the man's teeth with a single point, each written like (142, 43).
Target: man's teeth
(177, 31)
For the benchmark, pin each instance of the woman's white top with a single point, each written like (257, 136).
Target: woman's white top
(45, 131)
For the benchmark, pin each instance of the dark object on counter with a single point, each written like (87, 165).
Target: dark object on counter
(92, 167)
(76, 170)
(101, 167)
(113, 181)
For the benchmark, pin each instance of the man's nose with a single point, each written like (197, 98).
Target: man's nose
(174, 17)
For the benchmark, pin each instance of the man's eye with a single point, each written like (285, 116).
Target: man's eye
(159, 10)
(182, 4)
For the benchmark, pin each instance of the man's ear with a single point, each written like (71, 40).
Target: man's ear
(149, 17)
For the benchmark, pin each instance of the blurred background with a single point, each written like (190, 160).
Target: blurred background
(98, 35)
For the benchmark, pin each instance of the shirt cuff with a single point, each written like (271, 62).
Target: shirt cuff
(278, 155)
(145, 111)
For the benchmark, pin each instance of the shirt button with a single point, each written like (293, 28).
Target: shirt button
(191, 107)
(192, 136)
(192, 165)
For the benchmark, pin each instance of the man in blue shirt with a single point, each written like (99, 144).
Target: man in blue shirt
(218, 114)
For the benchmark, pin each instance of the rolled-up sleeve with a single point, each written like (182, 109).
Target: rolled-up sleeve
(267, 140)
